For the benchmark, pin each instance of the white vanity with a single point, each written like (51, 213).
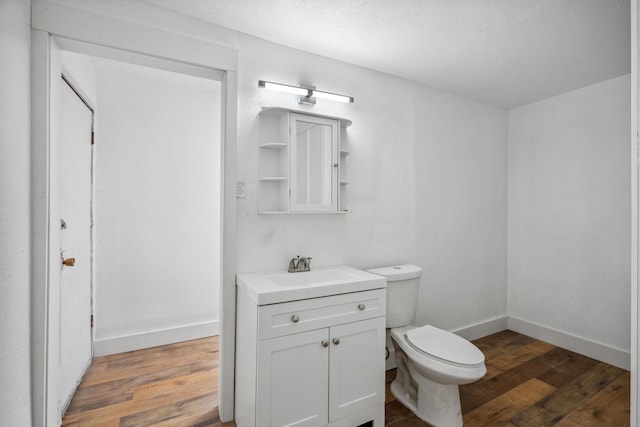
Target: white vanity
(310, 348)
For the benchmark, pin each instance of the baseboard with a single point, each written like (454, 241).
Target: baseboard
(595, 350)
(107, 346)
(482, 329)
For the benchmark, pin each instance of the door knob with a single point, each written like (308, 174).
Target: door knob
(69, 262)
(336, 340)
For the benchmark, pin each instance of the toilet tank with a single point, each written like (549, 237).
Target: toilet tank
(403, 282)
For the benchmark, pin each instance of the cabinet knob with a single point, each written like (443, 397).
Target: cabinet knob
(336, 340)
(325, 343)
(362, 307)
(295, 318)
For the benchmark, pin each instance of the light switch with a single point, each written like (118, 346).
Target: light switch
(241, 190)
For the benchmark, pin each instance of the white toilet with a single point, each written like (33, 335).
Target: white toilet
(431, 362)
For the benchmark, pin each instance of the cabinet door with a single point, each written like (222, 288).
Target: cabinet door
(356, 375)
(313, 164)
(292, 383)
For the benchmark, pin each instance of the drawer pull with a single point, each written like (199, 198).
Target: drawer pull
(361, 307)
(336, 340)
(295, 318)
(325, 343)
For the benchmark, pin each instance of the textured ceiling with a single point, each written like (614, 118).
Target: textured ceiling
(504, 52)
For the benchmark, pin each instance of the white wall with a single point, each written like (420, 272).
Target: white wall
(157, 190)
(569, 213)
(427, 176)
(399, 128)
(460, 160)
(15, 398)
(380, 228)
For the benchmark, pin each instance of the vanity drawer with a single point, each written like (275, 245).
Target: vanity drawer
(305, 315)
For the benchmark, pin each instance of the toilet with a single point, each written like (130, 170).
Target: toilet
(431, 362)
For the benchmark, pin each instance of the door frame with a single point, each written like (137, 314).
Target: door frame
(56, 27)
(635, 212)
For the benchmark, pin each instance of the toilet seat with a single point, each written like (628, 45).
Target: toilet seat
(445, 347)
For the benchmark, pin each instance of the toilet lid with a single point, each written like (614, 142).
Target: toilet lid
(445, 346)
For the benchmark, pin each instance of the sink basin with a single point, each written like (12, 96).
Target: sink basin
(280, 286)
(315, 277)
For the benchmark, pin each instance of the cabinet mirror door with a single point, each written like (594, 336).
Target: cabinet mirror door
(313, 164)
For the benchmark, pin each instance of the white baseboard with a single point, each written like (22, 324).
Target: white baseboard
(482, 329)
(107, 346)
(595, 350)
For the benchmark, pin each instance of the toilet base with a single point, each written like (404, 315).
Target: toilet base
(438, 404)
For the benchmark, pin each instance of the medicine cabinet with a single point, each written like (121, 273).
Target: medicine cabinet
(302, 162)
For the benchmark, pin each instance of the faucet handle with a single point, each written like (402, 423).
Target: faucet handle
(293, 264)
(304, 264)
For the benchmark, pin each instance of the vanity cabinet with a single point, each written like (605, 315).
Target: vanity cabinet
(311, 362)
(301, 162)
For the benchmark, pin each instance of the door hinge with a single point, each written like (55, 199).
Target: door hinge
(93, 137)
(92, 320)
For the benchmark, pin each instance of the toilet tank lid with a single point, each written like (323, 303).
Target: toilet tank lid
(398, 272)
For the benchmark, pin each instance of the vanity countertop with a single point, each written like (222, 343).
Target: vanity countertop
(280, 286)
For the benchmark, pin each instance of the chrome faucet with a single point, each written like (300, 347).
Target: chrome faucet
(297, 265)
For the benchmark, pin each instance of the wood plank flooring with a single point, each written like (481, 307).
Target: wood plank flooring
(528, 383)
(173, 385)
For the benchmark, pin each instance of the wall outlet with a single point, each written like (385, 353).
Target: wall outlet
(241, 190)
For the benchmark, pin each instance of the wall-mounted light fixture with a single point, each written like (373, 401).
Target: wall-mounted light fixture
(306, 94)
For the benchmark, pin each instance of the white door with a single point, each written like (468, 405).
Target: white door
(75, 241)
(292, 380)
(356, 374)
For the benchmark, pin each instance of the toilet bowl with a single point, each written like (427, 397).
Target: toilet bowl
(431, 362)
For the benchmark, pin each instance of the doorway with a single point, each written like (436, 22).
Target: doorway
(157, 206)
(54, 28)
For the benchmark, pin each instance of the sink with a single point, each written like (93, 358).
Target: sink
(280, 286)
(309, 278)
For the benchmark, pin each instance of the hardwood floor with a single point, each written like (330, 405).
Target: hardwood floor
(528, 383)
(173, 385)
